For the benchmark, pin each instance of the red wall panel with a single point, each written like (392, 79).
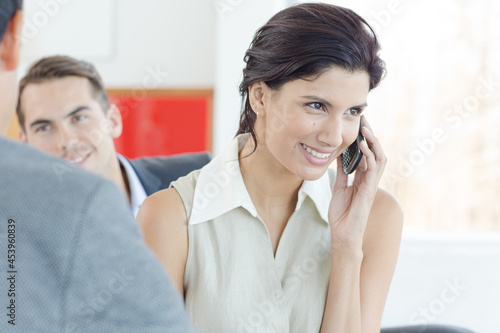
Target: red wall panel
(163, 125)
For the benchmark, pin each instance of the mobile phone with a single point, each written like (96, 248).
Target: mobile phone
(352, 155)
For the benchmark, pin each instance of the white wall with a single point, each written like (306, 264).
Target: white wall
(127, 39)
(238, 20)
(446, 278)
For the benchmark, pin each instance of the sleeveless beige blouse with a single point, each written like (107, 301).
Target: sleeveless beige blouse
(232, 281)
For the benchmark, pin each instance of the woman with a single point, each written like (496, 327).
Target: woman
(267, 238)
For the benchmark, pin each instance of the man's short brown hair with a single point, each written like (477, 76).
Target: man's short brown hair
(58, 67)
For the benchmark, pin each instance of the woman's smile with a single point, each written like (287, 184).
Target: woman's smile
(316, 156)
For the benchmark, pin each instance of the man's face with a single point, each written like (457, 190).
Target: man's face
(62, 118)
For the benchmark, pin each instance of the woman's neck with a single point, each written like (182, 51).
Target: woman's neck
(272, 188)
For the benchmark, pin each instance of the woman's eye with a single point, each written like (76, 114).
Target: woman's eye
(79, 118)
(354, 112)
(316, 106)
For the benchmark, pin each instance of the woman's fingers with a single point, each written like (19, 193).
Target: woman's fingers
(371, 160)
(373, 155)
(373, 143)
(362, 164)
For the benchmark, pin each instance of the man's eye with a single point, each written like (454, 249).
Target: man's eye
(44, 128)
(316, 105)
(79, 117)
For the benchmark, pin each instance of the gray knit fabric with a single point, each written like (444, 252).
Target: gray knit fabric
(80, 262)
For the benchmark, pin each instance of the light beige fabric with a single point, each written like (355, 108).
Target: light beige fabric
(233, 283)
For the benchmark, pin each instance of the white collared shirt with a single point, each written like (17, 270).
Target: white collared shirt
(137, 192)
(221, 179)
(233, 280)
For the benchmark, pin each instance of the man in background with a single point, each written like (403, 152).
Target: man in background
(72, 256)
(63, 109)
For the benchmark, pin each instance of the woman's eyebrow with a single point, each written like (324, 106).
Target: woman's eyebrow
(359, 106)
(321, 100)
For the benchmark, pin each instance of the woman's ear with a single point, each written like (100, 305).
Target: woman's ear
(10, 44)
(256, 94)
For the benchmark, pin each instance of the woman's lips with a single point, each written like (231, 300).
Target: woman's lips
(315, 157)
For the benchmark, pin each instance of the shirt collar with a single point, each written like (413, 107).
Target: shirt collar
(320, 193)
(137, 192)
(220, 187)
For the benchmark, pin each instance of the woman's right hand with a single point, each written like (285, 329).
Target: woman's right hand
(351, 204)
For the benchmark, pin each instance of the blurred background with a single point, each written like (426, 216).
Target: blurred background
(173, 68)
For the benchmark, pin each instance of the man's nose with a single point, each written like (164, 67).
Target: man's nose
(67, 140)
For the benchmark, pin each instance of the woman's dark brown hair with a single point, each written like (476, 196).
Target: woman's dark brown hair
(303, 41)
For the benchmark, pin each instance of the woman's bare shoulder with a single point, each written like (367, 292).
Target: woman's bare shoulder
(164, 206)
(163, 220)
(386, 203)
(385, 222)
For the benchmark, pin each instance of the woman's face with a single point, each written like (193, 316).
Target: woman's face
(308, 123)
